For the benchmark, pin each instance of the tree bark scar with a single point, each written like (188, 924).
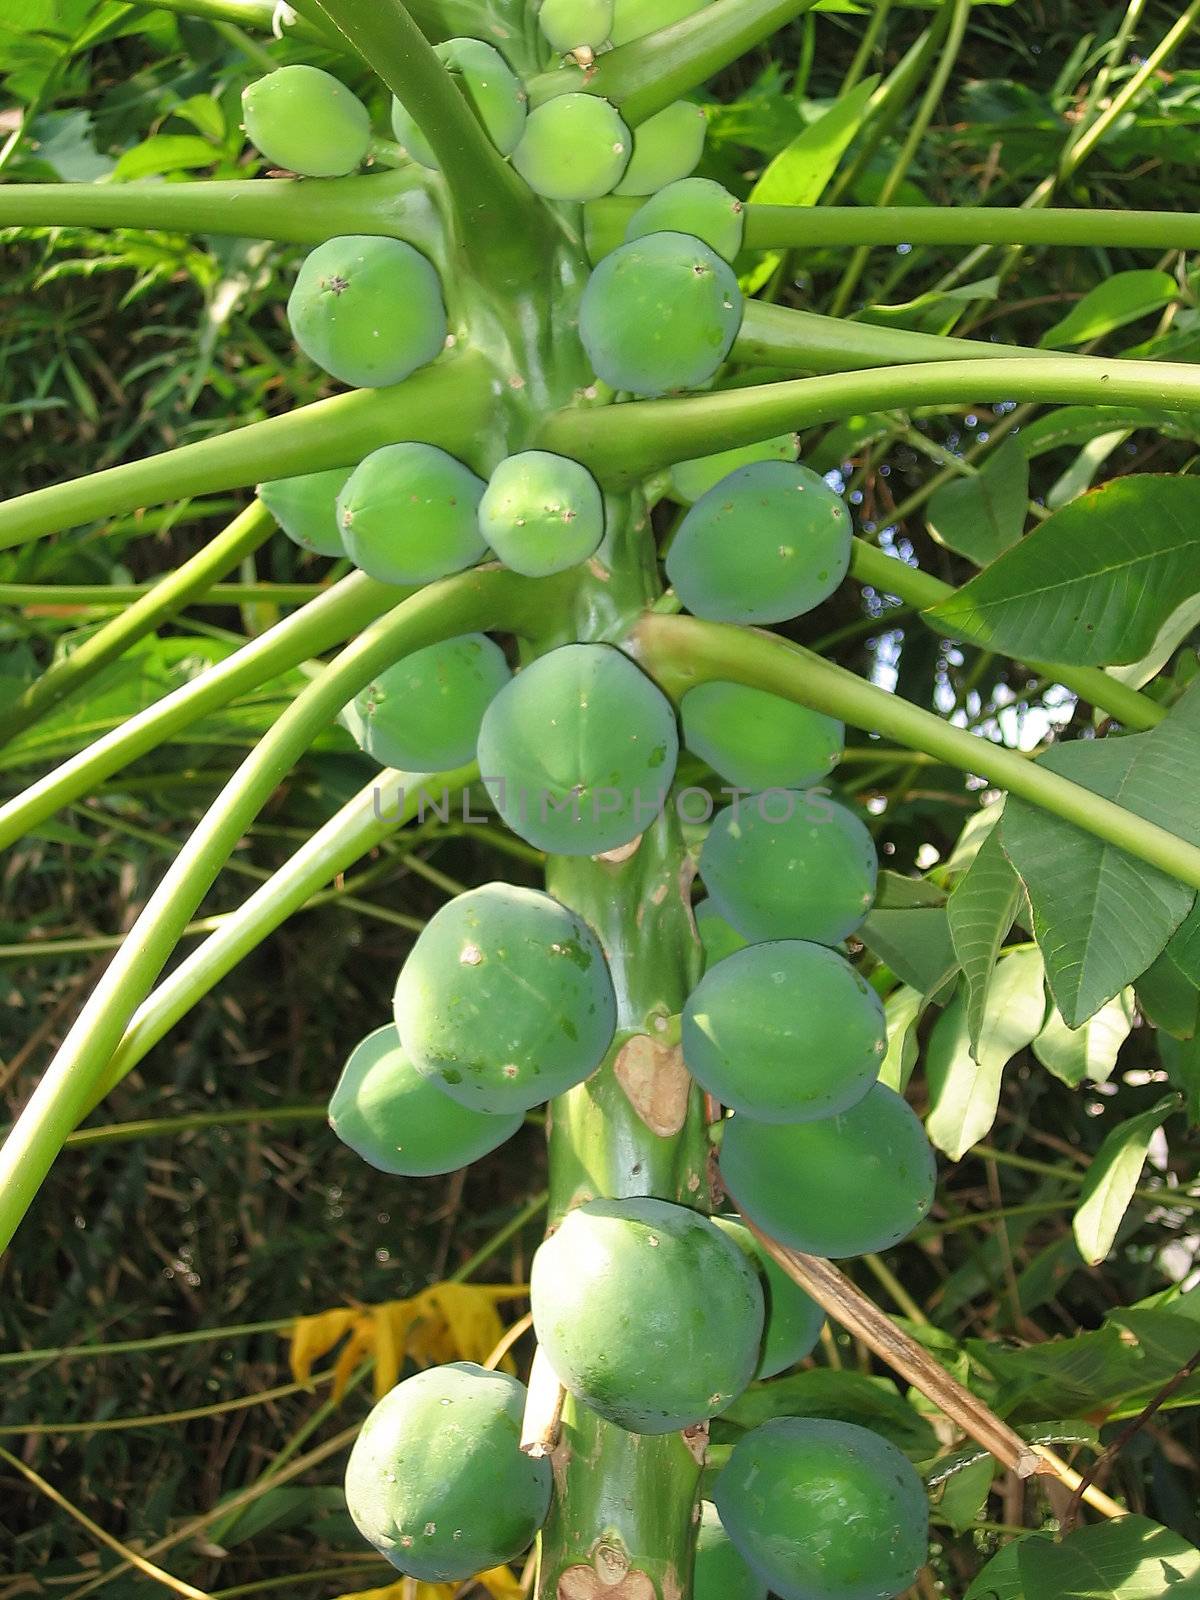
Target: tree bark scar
(586, 1583)
(655, 1082)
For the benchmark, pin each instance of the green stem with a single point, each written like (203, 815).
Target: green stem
(115, 596)
(256, 14)
(682, 651)
(157, 1127)
(163, 600)
(866, 45)
(128, 1347)
(806, 341)
(449, 403)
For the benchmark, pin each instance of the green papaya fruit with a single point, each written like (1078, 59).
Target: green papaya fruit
(367, 310)
(423, 714)
(574, 147)
(505, 999)
(718, 938)
(793, 1320)
(824, 1510)
(720, 1573)
(785, 1031)
(490, 86)
(410, 513)
(770, 542)
(691, 479)
(570, 25)
(646, 1312)
(303, 119)
(633, 19)
(659, 314)
(666, 148)
(401, 1122)
(697, 206)
(306, 509)
(755, 740)
(541, 513)
(579, 750)
(857, 1182)
(436, 1480)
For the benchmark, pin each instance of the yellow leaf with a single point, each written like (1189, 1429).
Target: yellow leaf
(407, 1589)
(501, 1584)
(314, 1337)
(472, 1319)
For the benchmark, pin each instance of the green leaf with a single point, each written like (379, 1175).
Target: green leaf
(1001, 1578)
(1099, 916)
(166, 152)
(1068, 426)
(1168, 996)
(1181, 1062)
(964, 1091)
(966, 1492)
(983, 515)
(846, 1397)
(1184, 948)
(1129, 1558)
(1094, 583)
(914, 943)
(1123, 298)
(1089, 1051)
(1166, 641)
(902, 1012)
(980, 913)
(1112, 1178)
(935, 312)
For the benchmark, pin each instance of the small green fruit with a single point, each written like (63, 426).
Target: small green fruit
(409, 514)
(575, 24)
(790, 864)
(306, 509)
(401, 1122)
(303, 119)
(437, 1481)
(367, 310)
(659, 314)
(489, 84)
(574, 147)
(720, 1573)
(768, 543)
(647, 1313)
(505, 999)
(633, 19)
(697, 206)
(856, 1182)
(542, 513)
(666, 147)
(757, 740)
(717, 937)
(824, 1510)
(423, 714)
(691, 479)
(794, 1322)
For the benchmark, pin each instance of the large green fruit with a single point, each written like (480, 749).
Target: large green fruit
(633, 19)
(305, 120)
(790, 864)
(505, 999)
(824, 1510)
(369, 311)
(718, 938)
(423, 714)
(757, 740)
(784, 1032)
(574, 147)
(489, 84)
(659, 314)
(402, 1122)
(697, 206)
(720, 1573)
(542, 513)
(409, 514)
(793, 1320)
(436, 1480)
(306, 509)
(691, 479)
(666, 147)
(575, 24)
(579, 750)
(647, 1313)
(856, 1182)
(768, 543)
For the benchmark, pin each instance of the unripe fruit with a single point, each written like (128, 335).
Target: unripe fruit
(718, 938)
(409, 514)
(575, 24)
(368, 311)
(423, 714)
(757, 740)
(401, 1122)
(633, 19)
(697, 206)
(793, 1321)
(579, 750)
(505, 999)
(666, 147)
(305, 120)
(691, 479)
(542, 513)
(436, 1480)
(720, 1573)
(574, 147)
(785, 1031)
(824, 1510)
(659, 314)
(790, 864)
(646, 1312)
(768, 543)
(489, 84)
(856, 1182)
(306, 509)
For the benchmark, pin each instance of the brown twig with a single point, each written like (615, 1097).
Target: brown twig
(543, 1408)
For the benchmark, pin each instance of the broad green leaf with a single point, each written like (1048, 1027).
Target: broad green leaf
(1001, 1578)
(1068, 426)
(1099, 915)
(980, 913)
(1094, 583)
(1123, 298)
(964, 1091)
(1129, 1558)
(1181, 1062)
(1112, 1178)
(974, 831)
(1167, 640)
(1169, 997)
(914, 943)
(1084, 470)
(1184, 948)
(983, 515)
(166, 152)
(935, 312)
(894, 891)
(1089, 1051)
(845, 1396)
(902, 1012)
(966, 1492)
